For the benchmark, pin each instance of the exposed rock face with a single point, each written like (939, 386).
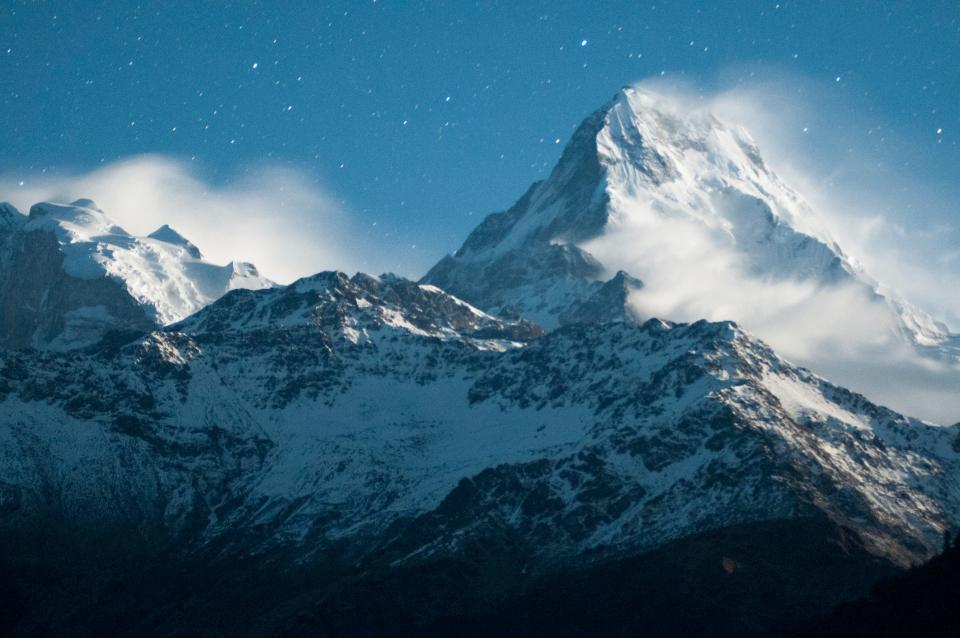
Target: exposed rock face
(541, 283)
(609, 304)
(526, 258)
(42, 305)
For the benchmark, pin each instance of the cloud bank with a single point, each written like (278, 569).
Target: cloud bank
(273, 217)
(871, 184)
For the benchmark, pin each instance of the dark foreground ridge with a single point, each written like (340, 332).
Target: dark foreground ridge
(921, 602)
(761, 579)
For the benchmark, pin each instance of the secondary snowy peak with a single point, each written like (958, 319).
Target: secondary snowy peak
(164, 272)
(73, 275)
(645, 180)
(77, 222)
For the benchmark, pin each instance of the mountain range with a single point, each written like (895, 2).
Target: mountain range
(508, 446)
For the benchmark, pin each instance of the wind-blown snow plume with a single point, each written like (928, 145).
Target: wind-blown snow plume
(693, 270)
(868, 182)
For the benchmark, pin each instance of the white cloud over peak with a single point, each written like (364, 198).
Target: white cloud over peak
(841, 331)
(865, 180)
(276, 218)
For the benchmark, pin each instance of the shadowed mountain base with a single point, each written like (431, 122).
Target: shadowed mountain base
(921, 602)
(762, 579)
(750, 580)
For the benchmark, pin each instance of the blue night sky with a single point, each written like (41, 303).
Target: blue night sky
(425, 116)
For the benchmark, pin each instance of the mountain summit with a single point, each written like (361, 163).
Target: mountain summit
(635, 171)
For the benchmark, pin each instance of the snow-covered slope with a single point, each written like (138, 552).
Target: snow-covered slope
(345, 430)
(71, 274)
(643, 171)
(389, 417)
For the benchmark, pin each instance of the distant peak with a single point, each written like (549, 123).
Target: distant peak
(168, 235)
(243, 274)
(80, 213)
(389, 277)
(609, 304)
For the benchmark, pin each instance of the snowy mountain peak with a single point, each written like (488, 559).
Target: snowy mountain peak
(73, 223)
(71, 275)
(638, 162)
(693, 164)
(659, 187)
(167, 234)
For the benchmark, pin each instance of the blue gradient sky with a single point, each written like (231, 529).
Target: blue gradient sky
(422, 117)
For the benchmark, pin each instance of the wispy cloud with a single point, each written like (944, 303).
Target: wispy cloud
(277, 218)
(840, 331)
(873, 185)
